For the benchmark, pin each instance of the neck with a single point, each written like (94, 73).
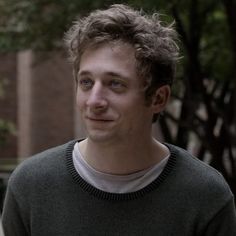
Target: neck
(123, 158)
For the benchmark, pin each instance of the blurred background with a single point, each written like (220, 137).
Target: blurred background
(37, 108)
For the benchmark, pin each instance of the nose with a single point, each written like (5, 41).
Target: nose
(97, 100)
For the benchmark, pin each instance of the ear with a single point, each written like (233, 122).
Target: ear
(160, 98)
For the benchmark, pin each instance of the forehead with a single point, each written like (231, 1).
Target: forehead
(109, 57)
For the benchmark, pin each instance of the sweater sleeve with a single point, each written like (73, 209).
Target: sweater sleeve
(224, 222)
(12, 221)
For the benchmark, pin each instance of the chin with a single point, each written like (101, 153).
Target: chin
(100, 137)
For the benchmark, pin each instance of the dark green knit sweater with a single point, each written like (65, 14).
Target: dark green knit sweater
(46, 197)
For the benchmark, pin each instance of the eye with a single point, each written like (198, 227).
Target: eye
(117, 85)
(85, 83)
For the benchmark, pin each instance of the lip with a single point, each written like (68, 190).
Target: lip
(96, 119)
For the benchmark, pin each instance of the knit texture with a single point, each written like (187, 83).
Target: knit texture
(47, 197)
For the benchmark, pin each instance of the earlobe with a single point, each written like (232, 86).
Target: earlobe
(160, 98)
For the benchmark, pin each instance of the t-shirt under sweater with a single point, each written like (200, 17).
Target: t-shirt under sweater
(47, 197)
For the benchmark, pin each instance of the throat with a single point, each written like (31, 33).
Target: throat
(122, 159)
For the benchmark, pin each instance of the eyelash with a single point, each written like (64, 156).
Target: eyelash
(116, 85)
(85, 84)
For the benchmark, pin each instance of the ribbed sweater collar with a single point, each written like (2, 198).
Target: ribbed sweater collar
(119, 196)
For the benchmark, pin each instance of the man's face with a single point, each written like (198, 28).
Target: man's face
(110, 95)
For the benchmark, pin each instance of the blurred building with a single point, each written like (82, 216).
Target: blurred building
(38, 99)
(8, 98)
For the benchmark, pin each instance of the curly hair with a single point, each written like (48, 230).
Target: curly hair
(156, 51)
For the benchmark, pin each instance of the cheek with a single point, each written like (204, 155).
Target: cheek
(80, 101)
(132, 108)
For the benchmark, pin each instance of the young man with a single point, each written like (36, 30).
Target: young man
(119, 180)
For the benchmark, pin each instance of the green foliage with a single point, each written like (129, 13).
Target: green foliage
(3, 83)
(215, 46)
(6, 128)
(38, 24)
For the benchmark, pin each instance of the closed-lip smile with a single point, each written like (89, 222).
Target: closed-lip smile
(99, 119)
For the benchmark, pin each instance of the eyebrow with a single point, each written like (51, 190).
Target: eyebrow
(83, 73)
(108, 73)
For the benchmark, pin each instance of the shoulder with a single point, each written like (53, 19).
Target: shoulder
(199, 178)
(39, 166)
(201, 189)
